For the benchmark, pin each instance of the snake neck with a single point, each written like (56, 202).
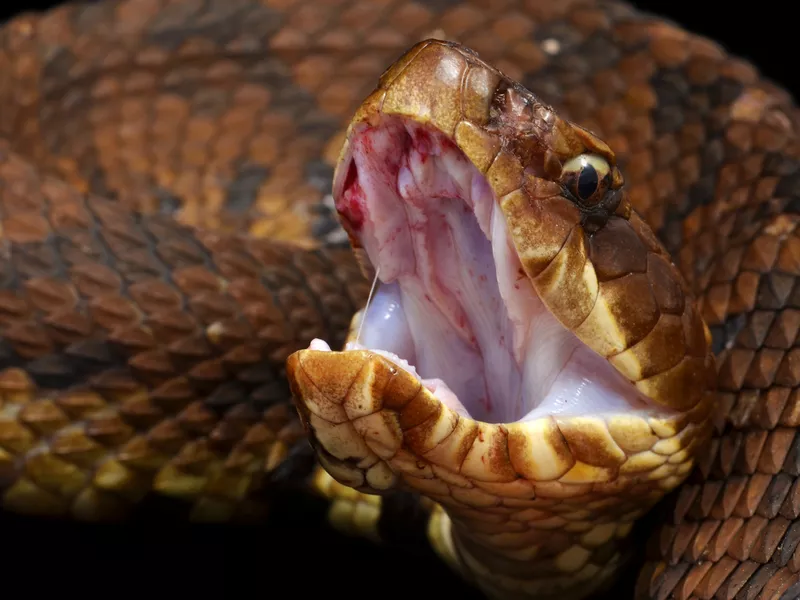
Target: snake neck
(544, 548)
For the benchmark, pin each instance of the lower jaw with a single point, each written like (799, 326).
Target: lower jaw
(565, 544)
(532, 530)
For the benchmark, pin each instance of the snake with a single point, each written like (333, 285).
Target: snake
(514, 283)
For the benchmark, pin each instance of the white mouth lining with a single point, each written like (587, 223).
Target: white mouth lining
(496, 354)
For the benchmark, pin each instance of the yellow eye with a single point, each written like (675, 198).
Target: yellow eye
(587, 177)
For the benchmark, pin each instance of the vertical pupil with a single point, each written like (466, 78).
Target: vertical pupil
(587, 182)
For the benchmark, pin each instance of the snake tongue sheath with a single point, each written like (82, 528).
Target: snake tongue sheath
(532, 360)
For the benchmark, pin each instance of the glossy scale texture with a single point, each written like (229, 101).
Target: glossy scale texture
(230, 115)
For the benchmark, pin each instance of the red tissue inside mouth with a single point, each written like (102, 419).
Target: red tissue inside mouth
(351, 202)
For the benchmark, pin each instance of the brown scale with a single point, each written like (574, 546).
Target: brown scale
(231, 114)
(140, 356)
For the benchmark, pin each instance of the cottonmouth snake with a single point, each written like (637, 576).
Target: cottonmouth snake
(161, 163)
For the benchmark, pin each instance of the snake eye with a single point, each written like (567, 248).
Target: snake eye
(587, 178)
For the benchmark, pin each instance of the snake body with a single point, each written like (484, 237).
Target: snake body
(164, 175)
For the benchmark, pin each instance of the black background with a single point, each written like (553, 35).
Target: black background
(296, 555)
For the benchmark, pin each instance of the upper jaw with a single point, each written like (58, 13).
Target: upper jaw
(614, 288)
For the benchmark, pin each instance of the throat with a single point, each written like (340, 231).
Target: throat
(449, 320)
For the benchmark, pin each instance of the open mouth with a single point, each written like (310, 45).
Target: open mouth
(453, 305)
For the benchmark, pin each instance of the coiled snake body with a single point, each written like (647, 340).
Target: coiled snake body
(166, 175)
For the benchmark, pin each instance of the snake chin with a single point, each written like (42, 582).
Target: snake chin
(454, 306)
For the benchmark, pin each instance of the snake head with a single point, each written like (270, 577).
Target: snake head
(532, 359)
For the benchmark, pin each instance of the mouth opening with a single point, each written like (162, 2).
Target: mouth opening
(453, 305)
